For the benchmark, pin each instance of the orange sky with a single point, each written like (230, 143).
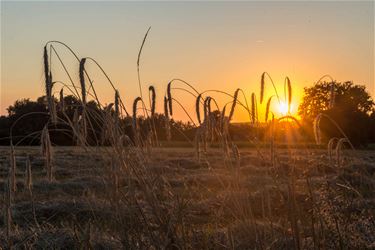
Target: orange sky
(213, 45)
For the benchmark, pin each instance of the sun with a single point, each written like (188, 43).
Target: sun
(283, 108)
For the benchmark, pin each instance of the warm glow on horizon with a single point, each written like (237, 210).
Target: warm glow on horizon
(212, 45)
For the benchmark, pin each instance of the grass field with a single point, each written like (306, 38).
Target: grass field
(180, 203)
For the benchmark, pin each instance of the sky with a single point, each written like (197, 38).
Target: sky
(212, 45)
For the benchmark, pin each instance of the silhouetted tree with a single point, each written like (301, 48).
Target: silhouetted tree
(352, 109)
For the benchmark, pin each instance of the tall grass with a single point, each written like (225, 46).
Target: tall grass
(146, 210)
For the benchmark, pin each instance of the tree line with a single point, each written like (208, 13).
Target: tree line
(353, 110)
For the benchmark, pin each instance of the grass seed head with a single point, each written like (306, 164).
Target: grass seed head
(233, 104)
(289, 88)
(262, 82)
(169, 94)
(153, 99)
(135, 105)
(268, 108)
(197, 108)
(117, 103)
(82, 79)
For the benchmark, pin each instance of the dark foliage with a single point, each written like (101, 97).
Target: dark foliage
(353, 110)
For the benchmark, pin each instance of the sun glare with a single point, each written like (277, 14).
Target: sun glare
(283, 108)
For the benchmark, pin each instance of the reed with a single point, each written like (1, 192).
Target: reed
(262, 83)
(82, 80)
(117, 104)
(135, 121)
(207, 109)
(197, 108)
(253, 108)
(268, 108)
(48, 86)
(139, 60)
(235, 96)
(288, 92)
(151, 89)
(169, 95)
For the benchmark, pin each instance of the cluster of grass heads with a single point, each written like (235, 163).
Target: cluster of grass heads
(146, 211)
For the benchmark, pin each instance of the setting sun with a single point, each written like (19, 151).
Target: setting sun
(283, 108)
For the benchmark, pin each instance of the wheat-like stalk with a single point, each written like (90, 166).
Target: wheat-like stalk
(48, 86)
(233, 104)
(169, 95)
(135, 105)
(151, 89)
(117, 104)
(268, 108)
(197, 108)
(46, 69)
(262, 83)
(82, 80)
(253, 108)
(139, 60)
(207, 108)
(288, 88)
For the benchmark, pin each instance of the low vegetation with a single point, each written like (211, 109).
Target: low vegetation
(119, 188)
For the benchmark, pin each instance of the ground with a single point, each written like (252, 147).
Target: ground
(302, 201)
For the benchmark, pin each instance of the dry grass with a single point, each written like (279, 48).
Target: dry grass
(134, 194)
(198, 205)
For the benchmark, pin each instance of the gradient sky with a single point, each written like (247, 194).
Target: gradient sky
(213, 45)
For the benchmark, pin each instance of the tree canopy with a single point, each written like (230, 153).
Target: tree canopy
(350, 105)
